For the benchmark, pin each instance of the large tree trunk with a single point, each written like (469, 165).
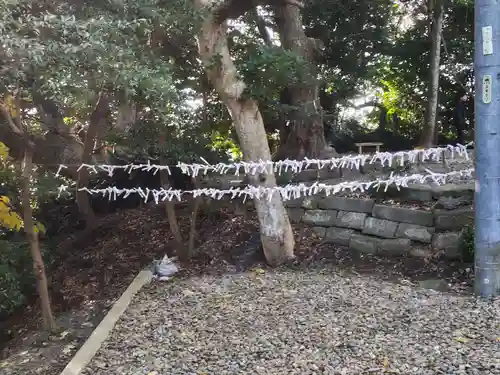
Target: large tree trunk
(38, 264)
(276, 233)
(303, 134)
(436, 14)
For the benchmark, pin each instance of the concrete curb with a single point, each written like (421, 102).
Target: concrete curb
(94, 342)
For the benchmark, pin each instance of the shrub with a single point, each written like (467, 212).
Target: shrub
(17, 281)
(467, 247)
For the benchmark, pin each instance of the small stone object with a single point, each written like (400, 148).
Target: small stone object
(435, 284)
(451, 203)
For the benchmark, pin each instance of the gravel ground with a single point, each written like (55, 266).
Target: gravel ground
(316, 321)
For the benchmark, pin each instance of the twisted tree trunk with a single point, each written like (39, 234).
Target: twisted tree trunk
(276, 233)
(303, 134)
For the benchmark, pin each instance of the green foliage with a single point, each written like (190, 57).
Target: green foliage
(356, 35)
(16, 265)
(69, 52)
(467, 246)
(267, 70)
(17, 281)
(224, 143)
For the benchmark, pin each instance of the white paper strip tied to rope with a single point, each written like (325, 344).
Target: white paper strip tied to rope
(287, 192)
(345, 162)
(295, 166)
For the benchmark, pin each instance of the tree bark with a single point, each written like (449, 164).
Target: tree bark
(192, 222)
(171, 214)
(436, 15)
(38, 264)
(261, 26)
(16, 127)
(57, 146)
(98, 119)
(303, 134)
(275, 229)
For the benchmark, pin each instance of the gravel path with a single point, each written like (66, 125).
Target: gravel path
(301, 322)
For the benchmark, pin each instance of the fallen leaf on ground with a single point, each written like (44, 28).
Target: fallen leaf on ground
(386, 362)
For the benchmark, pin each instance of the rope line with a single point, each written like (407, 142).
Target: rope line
(291, 191)
(262, 166)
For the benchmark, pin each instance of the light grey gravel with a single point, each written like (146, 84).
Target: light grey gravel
(301, 322)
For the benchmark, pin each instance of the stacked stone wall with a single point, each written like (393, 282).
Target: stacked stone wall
(417, 220)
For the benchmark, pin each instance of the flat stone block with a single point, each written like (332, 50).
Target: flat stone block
(339, 236)
(351, 174)
(451, 203)
(295, 214)
(320, 231)
(415, 232)
(306, 175)
(449, 243)
(320, 218)
(326, 174)
(353, 220)
(380, 227)
(453, 219)
(310, 203)
(418, 192)
(454, 190)
(381, 193)
(293, 203)
(347, 204)
(394, 247)
(404, 215)
(364, 244)
(420, 252)
(285, 177)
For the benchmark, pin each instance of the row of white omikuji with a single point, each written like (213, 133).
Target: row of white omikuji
(295, 166)
(287, 192)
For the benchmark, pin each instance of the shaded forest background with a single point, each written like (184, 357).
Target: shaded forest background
(120, 81)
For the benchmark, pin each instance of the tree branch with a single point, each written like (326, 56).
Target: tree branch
(10, 121)
(231, 9)
(371, 103)
(50, 115)
(261, 26)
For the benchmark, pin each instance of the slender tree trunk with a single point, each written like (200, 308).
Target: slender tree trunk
(38, 264)
(172, 215)
(436, 9)
(98, 119)
(303, 134)
(276, 233)
(16, 125)
(192, 221)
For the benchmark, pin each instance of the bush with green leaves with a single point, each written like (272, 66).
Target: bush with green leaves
(467, 244)
(17, 281)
